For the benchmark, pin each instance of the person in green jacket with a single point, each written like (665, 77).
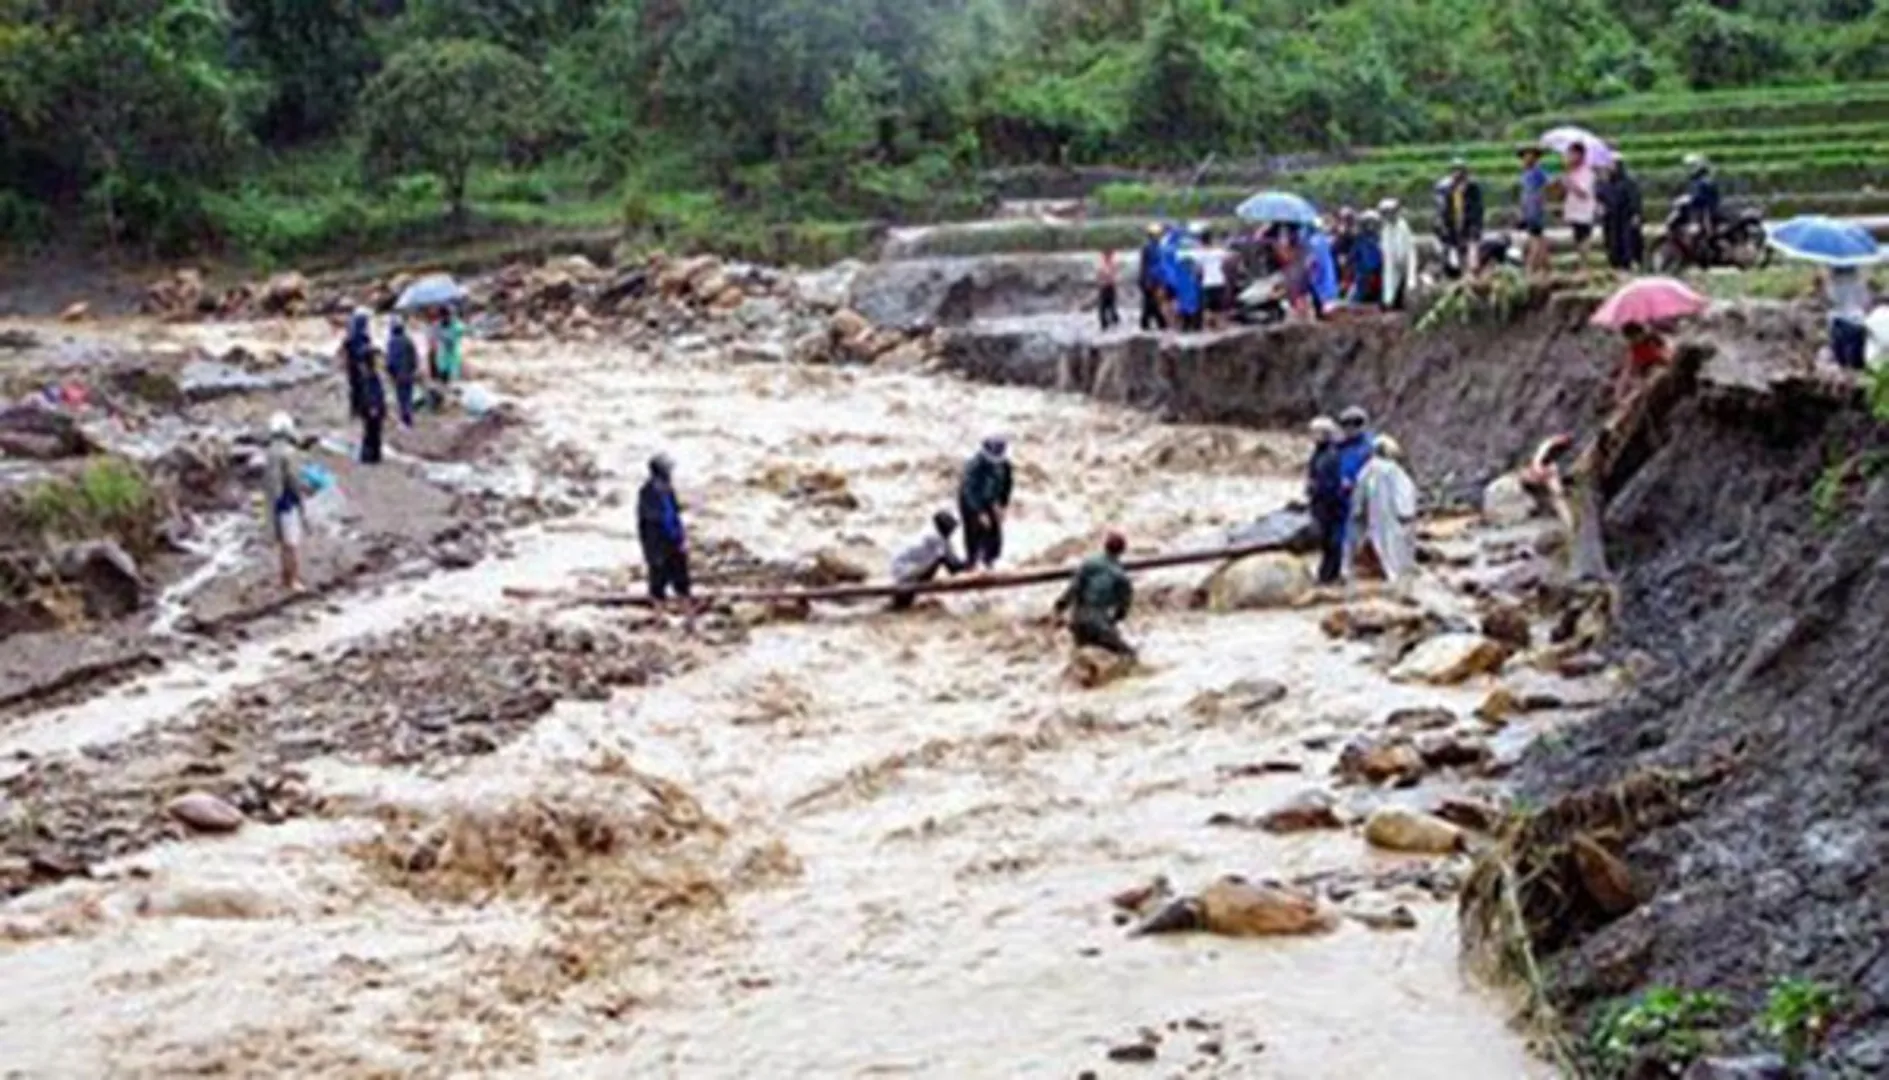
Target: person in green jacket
(1098, 598)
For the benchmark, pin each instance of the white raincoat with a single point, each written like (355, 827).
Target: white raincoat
(1400, 257)
(1383, 511)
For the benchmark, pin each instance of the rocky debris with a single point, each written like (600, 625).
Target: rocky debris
(1093, 668)
(181, 295)
(829, 567)
(1241, 698)
(205, 813)
(1605, 877)
(1496, 709)
(1379, 760)
(1420, 718)
(1472, 814)
(1448, 659)
(1507, 624)
(1259, 581)
(106, 577)
(1140, 898)
(1449, 750)
(1310, 809)
(1396, 828)
(1382, 918)
(1143, 1051)
(1290, 530)
(443, 688)
(284, 294)
(28, 431)
(78, 311)
(1758, 1067)
(818, 487)
(226, 902)
(1234, 907)
(1371, 619)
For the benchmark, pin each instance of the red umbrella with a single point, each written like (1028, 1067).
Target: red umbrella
(1649, 300)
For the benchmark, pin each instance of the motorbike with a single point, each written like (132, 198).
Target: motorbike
(1737, 241)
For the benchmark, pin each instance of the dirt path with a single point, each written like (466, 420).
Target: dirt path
(863, 846)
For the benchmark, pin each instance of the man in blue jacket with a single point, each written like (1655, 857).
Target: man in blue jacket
(659, 527)
(1325, 491)
(1355, 447)
(1151, 282)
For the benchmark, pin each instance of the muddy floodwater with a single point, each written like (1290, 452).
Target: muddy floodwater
(858, 845)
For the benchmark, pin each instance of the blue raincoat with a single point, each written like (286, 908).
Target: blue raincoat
(1321, 269)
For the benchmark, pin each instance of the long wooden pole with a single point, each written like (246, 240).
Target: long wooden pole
(961, 584)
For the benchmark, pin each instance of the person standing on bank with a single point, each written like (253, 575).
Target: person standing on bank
(1581, 207)
(1384, 511)
(921, 562)
(983, 499)
(1149, 273)
(1105, 292)
(659, 528)
(373, 408)
(403, 366)
(1325, 491)
(286, 489)
(1099, 598)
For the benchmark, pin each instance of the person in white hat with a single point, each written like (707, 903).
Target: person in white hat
(285, 487)
(1400, 253)
(1384, 512)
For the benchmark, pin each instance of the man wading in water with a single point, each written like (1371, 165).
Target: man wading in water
(1099, 598)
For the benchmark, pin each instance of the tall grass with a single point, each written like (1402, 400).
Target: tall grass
(109, 498)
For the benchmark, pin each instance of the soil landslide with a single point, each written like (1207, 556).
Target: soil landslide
(1736, 796)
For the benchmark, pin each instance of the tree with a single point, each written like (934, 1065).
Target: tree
(1720, 48)
(314, 55)
(443, 107)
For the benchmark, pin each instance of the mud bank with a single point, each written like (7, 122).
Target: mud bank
(1749, 549)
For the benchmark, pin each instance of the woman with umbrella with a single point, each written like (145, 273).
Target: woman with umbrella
(1842, 251)
(1636, 310)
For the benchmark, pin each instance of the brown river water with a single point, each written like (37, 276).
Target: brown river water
(922, 821)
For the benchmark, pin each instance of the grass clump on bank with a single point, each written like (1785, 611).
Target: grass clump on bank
(108, 498)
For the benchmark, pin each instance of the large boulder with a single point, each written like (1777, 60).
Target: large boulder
(1507, 622)
(1259, 581)
(204, 812)
(1288, 530)
(1397, 828)
(1310, 809)
(1369, 760)
(284, 294)
(1234, 907)
(30, 431)
(1507, 501)
(106, 576)
(1448, 659)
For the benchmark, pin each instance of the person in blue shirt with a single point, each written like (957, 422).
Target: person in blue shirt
(1367, 261)
(1356, 444)
(1152, 282)
(1325, 491)
(1321, 271)
(1534, 211)
(659, 527)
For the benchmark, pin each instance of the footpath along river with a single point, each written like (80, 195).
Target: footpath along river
(917, 822)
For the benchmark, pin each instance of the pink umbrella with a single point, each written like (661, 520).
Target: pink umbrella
(1648, 300)
(1599, 154)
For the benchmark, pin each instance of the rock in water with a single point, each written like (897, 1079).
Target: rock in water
(1448, 659)
(1309, 809)
(1507, 623)
(1091, 668)
(1372, 618)
(1233, 907)
(108, 578)
(1395, 828)
(1378, 761)
(1259, 581)
(1506, 501)
(1607, 880)
(1448, 750)
(1290, 530)
(284, 294)
(78, 311)
(205, 813)
(1468, 813)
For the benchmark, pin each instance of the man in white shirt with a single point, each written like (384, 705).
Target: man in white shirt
(1216, 294)
(1582, 203)
(927, 555)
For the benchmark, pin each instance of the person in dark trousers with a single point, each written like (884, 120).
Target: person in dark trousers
(1460, 218)
(403, 366)
(983, 498)
(1325, 491)
(1149, 273)
(1356, 446)
(1106, 310)
(659, 528)
(373, 409)
(1098, 598)
(1622, 217)
(357, 354)
(922, 561)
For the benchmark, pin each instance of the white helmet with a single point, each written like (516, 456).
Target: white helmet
(281, 425)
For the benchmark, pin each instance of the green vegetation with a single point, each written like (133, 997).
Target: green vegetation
(280, 128)
(1661, 1026)
(109, 497)
(1797, 1015)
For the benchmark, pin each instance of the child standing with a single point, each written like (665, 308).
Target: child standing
(1105, 281)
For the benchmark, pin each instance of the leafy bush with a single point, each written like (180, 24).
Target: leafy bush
(1660, 1027)
(1797, 1015)
(109, 497)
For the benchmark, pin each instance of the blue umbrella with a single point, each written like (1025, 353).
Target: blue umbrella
(1278, 207)
(1824, 240)
(434, 290)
